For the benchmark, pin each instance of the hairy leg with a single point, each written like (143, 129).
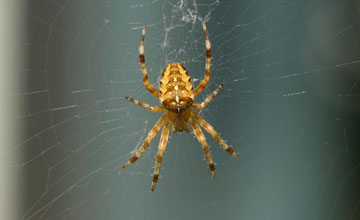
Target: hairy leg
(205, 81)
(208, 99)
(148, 86)
(213, 133)
(201, 138)
(142, 104)
(162, 147)
(147, 141)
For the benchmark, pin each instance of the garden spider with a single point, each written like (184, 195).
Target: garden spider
(177, 99)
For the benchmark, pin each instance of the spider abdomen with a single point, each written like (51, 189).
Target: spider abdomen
(176, 88)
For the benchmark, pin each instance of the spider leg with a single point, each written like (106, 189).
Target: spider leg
(201, 138)
(213, 133)
(147, 141)
(148, 86)
(208, 99)
(205, 81)
(142, 104)
(162, 147)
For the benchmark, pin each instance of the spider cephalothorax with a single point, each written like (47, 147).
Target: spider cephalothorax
(177, 96)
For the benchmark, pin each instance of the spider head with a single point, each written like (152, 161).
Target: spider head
(180, 120)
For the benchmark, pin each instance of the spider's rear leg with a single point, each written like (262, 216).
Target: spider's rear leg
(205, 81)
(148, 86)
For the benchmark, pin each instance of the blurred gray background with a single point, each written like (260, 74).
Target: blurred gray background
(290, 106)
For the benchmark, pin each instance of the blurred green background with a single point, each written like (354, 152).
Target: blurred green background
(290, 106)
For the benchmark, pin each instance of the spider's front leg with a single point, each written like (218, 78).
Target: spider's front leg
(213, 133)
(147, 141)
(162, 147)
(201, 138)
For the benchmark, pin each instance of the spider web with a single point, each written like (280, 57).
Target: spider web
(290, 106)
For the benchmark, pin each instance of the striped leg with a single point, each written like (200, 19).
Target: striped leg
(147, 141)
(205, 81)
(142, 104)
(162, 147)
(213, 133)
(148, 86)
(201, 138)
(208, 99)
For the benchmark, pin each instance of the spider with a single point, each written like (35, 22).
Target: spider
(176, 94)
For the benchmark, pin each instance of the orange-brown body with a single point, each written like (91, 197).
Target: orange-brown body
(176, 88)
(180, 120)
(177, 95)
